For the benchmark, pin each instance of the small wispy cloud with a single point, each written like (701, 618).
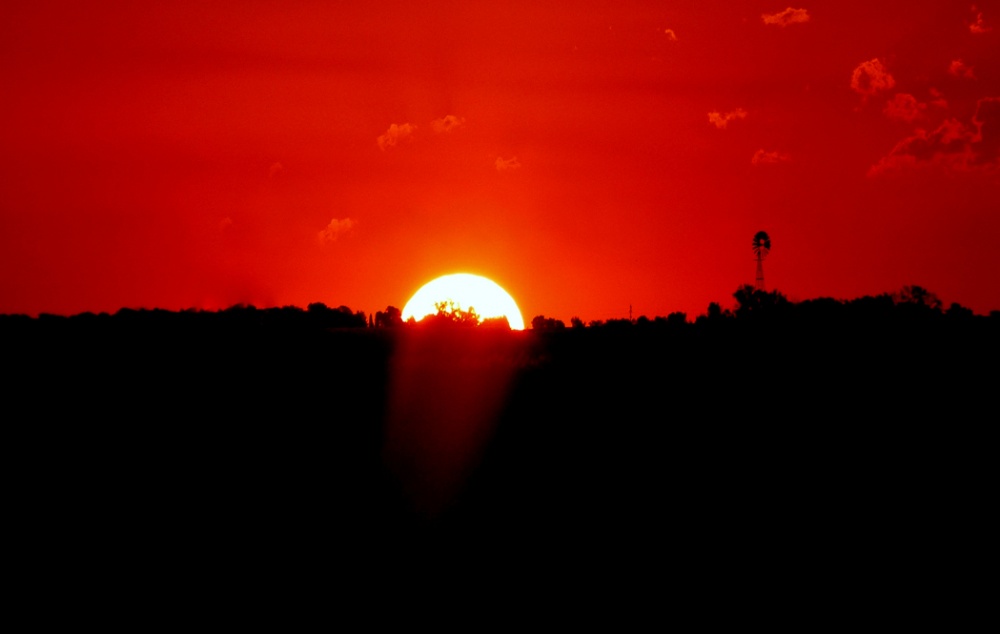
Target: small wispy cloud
(671, 35)
(720, 120)
(937, 98)
(786, 17)
(987, 122)
(870, 77)
(335, 229)
(400, 132)
(447, 123)
(904, 107)
(763, 157)
(395, 134)
(958, 68)
(507, 165)
(978, 26)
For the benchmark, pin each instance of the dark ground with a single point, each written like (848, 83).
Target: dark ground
(728, 471)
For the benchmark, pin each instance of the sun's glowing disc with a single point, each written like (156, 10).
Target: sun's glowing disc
(468, 292)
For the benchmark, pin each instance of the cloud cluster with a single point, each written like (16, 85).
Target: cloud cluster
(447, 123)
(958, 68)
(978, 26)
(938, 98)
(720, 120)
(987, 122)
(953, 144)
(395, 134)
(335, 229)
(399, 132)
(870, 77)
(506, 165)
(786, 17)
(762, 157)
(904, 107)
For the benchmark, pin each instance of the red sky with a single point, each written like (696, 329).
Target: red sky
(587, 156)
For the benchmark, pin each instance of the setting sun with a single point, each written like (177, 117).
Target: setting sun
(467, 292)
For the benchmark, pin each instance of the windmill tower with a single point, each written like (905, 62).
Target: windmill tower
(761, 247)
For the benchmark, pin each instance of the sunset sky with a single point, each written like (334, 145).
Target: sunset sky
(587, 156)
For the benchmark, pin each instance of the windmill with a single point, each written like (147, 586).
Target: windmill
(761, 247)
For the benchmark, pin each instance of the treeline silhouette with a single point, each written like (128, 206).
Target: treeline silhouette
(801, 435)
(239, 317)
(911, 304)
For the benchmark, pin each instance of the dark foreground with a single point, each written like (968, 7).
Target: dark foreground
(735, 470)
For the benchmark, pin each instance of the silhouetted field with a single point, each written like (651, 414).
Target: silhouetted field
(768, 446)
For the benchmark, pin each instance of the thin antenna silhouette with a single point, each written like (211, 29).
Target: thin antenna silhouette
(761, 247)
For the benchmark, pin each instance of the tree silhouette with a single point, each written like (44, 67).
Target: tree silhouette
(321, 315)
(957, 311)
(499, 323)
(918, 296)
(451, 315)
(390, 318)
(541, 322)
(716, 313)
(677, 319)
(752, 303)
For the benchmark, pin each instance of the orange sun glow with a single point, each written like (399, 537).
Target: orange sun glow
(467, 292)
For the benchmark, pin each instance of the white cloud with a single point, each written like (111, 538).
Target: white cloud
(904, 107)
(762, 157)
(506, 165)
(978, 26)
(395, 134)
(938, 98)
(958, 68)
(335, 229)
(722, 120)
(447, 123)
(870, 77)
(786, 17)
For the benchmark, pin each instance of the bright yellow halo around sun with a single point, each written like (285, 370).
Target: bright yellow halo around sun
(467, 292)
